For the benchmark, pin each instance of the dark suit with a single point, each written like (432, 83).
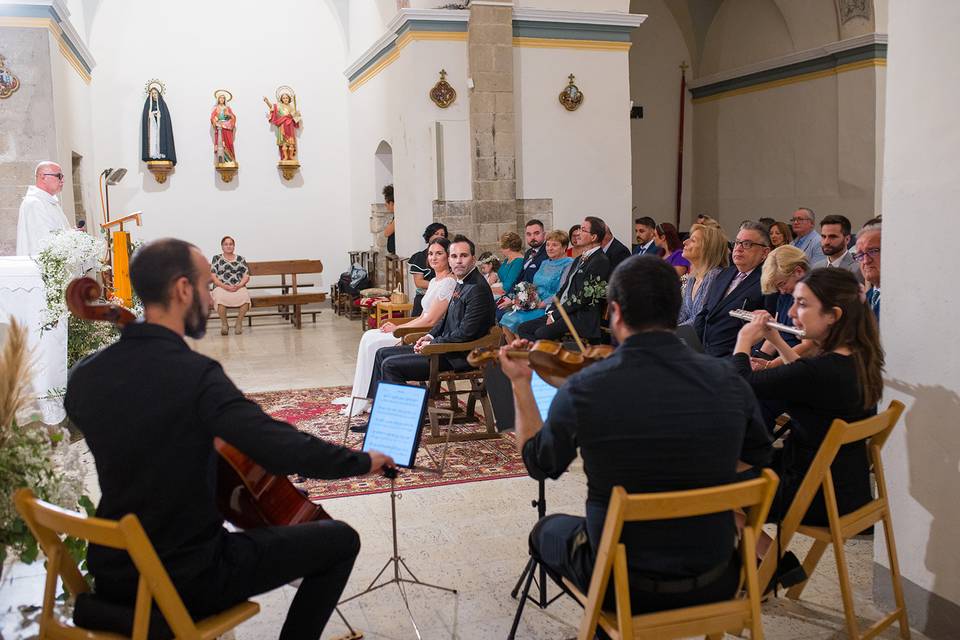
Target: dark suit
(716, 328)
(470, 316)
(651, 249)
(585, 318)
(617, 252)
(531, 262)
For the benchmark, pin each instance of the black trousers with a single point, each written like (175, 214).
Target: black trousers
(417, 306)
(400, 364)
(560, 543)
(538, 329)
(260, 560)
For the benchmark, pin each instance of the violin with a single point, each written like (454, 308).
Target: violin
(248, 496)
(551, 360)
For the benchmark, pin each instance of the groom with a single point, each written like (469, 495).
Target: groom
(470, 316)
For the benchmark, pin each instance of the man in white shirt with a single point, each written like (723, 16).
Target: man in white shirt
(40, 212)
(807, 239)
(834, 240)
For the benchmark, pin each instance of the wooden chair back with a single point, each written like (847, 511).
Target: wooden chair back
(874, 433)
(754, 496)
(48, 523)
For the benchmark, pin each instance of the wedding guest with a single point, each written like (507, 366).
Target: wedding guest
(780, 234)
(616, 251)
(834, 240)
(435, 301)
(805, 236)
(706, 250)
(547, 283)
(867, 255)
(418, 267)
(488, 264)
(644, 228)
(230, 277)
(512, 264)
(574, 250)
(665, 236)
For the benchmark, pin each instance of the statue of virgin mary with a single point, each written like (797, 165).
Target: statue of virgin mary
(156, 128)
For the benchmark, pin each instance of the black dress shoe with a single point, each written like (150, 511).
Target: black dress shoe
(789, 573)
(359, 428)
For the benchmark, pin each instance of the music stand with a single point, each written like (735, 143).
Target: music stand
(543, 393)
(396, 422)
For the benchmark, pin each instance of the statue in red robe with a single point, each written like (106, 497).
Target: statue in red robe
(285, 117)
(225, 123)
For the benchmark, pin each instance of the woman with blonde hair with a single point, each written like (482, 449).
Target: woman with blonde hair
(547, 281)
(706, 250)
(782, 270)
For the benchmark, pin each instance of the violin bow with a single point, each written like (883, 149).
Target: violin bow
(566, 319)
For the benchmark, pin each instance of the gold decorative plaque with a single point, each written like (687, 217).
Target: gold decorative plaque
(9, 83)
(442, 94)
(571, 97)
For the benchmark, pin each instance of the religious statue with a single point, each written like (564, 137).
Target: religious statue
(156, 133)
(286, 118)
(224, 123)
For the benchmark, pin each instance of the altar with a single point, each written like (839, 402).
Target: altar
(22, 296)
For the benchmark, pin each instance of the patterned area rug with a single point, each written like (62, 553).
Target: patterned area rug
(312, 411)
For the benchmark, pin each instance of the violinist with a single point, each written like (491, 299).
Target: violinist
(150, 408)
(696, 424)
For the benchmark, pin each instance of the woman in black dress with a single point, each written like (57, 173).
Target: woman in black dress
(844, 380)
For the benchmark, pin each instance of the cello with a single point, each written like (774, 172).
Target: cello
(248, 496)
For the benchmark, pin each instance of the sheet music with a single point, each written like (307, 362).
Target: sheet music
(543, 394)
(395, 422)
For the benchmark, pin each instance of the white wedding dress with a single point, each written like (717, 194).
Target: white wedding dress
(373, 340)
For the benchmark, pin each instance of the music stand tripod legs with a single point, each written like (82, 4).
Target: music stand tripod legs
(397, 561)
(531, 571)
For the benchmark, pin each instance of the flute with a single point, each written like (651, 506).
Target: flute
(743, 314)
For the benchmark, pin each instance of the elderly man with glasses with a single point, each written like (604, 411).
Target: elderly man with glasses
(40, 212)
(806, 238)
(736, 287)
(867, 255)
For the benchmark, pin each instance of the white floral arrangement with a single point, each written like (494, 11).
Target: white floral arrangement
(525, 297)
(65, 255)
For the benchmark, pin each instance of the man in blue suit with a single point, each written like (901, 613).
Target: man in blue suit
(736, 287)
(644, 230)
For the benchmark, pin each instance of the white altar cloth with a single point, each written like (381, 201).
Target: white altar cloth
(22, 297)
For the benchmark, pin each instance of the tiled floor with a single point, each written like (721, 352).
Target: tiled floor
(471, 537)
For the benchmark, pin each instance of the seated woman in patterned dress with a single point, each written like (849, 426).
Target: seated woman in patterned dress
(547, 281)
(230, 277)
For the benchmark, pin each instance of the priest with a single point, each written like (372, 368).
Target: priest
(40, 212)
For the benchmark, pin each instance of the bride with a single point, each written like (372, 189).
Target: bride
(435, 302)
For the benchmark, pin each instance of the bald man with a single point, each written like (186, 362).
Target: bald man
(40, 212)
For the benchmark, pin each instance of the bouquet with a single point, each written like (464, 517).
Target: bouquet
(64, 256)
(525, 297)
(594, 292)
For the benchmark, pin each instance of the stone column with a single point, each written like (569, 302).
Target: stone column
(492, 141)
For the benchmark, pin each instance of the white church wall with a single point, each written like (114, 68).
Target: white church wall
(921, 192)
(655, 57)
(196, 48)
(394, 106)
(71, 105)
(580, 159)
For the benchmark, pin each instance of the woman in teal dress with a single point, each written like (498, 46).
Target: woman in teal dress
(512, 265)
(547, 280)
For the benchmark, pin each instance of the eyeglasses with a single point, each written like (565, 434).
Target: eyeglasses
(748, 244)
(800, 220)
(58, 176)
(871, 253)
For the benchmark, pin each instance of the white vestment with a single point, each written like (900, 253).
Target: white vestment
(40, 215)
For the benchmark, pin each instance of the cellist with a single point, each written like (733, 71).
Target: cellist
(150, 408)
(653, 416)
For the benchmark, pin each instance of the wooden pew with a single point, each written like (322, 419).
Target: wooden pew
(290, 294)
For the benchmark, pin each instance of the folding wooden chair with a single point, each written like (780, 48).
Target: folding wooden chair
(874, 432)
(711, 620)
(48, 522)
(476, 393)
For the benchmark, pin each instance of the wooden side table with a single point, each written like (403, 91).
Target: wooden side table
(385, 310)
